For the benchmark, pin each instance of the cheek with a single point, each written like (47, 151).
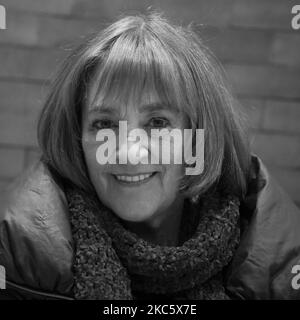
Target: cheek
(96, 171)
(171, 180)
(90, 147)
(167, 150)
(89, 150)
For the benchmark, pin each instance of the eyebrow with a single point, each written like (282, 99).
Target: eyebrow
(154, 107)
(151, 107)
(102, 109)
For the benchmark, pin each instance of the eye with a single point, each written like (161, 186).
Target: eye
(103, 124)
(159, 122)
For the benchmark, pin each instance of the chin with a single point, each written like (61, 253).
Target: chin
(133, 213)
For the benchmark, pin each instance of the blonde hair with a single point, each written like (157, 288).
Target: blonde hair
(138, 52)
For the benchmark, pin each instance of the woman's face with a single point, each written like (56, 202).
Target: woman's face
(135, 192)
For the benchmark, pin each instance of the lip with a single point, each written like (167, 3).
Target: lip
(134, 183)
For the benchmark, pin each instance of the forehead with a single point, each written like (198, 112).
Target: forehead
(121, 100)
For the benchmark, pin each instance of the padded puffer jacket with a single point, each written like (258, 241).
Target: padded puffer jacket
(36, 246)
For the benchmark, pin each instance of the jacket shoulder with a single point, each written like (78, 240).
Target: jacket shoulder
(266, 261)
(36, 247)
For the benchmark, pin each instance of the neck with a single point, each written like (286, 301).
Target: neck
(163, 229)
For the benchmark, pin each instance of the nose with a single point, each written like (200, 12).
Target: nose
(133, 150)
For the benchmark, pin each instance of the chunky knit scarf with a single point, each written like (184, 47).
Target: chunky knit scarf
(112, 262)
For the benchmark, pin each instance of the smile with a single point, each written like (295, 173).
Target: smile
(134, 178)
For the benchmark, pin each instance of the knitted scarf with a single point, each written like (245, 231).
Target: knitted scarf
(111, 262)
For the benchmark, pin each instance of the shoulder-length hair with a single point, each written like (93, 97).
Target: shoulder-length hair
(130, 55)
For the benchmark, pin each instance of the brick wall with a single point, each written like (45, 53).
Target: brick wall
(253, 39)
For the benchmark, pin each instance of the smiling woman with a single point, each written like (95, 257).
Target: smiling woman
(84, 228)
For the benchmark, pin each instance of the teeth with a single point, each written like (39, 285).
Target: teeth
(136, 178)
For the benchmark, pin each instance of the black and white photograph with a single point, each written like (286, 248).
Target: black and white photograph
(149, 151)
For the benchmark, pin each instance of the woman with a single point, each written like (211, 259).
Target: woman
(78, 227)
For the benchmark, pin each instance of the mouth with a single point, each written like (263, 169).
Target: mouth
(134, 179)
